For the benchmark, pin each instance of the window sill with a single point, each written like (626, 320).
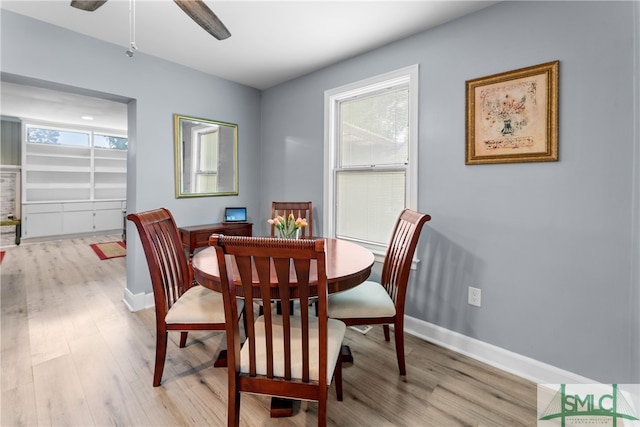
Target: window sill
(379, 255)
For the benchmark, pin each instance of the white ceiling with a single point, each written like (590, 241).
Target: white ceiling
(54, 107)
(271, 41)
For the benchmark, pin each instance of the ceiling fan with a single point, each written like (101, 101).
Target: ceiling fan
(196, 9)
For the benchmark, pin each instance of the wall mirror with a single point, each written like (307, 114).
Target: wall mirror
(206, 153)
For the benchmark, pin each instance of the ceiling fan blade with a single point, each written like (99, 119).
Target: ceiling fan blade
(203, 16)
(88, 5)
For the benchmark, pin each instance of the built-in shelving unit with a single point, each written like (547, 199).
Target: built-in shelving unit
(110, 174)
(69, 189)
(56, 173)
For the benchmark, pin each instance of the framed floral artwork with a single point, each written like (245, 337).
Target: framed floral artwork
(513, 117)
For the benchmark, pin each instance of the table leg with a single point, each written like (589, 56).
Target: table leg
(346, 355)
(221, 361)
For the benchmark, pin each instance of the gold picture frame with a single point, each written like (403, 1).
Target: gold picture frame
(512, 117)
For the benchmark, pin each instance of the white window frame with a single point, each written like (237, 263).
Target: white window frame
(43, 126)
(332, 98)
(197, 134)
(72, 128)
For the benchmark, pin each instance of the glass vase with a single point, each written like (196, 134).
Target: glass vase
(294, 234)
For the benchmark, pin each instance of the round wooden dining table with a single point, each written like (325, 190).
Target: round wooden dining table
(347, 264)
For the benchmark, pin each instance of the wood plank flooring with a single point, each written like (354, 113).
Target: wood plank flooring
(72, 354)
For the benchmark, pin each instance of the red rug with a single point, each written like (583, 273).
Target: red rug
(1, 256)
(109, 250)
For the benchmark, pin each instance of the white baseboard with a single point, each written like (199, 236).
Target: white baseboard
(514, 363)
(522, 366)
(136, 302)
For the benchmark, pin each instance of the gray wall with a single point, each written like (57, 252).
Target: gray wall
(36, 53)
(10, 142)
(553, 246)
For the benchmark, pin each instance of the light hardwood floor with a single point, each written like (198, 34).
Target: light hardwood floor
(73, 355)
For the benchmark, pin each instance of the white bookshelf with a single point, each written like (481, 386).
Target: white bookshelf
(69, 190)
(110, 174)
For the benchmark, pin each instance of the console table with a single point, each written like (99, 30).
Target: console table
(197, 236)
(18, 223)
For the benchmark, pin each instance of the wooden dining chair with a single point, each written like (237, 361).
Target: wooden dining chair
(299, 210)
(180, 304)
(383, 303)
(284, 355)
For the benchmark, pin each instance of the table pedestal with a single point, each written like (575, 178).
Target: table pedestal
(280, 407)
(345, 354)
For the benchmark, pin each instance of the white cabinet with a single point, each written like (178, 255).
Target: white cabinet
(108, 216)
(42, 220)
(77, 218)
(72, 190)
(54, 219)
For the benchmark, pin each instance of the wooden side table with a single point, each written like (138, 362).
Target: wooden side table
(197, 236)
(17, 222)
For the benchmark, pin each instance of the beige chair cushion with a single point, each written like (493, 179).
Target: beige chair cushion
(335, 333)
(198, 305)
(368, 299)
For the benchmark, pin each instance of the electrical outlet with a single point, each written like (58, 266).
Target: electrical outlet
(475, 296)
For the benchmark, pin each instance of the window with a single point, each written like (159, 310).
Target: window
(370, 151)
(110, 141)
(56, 136)
(41, 134)
(206, 174)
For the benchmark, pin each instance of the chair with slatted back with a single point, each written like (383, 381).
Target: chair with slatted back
(372, 303)
(180, 304)
(299, 210)
(284, 355)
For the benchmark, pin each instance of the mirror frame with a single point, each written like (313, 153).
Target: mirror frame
(178, 120)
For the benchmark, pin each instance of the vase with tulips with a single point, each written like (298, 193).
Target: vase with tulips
(288, 228)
